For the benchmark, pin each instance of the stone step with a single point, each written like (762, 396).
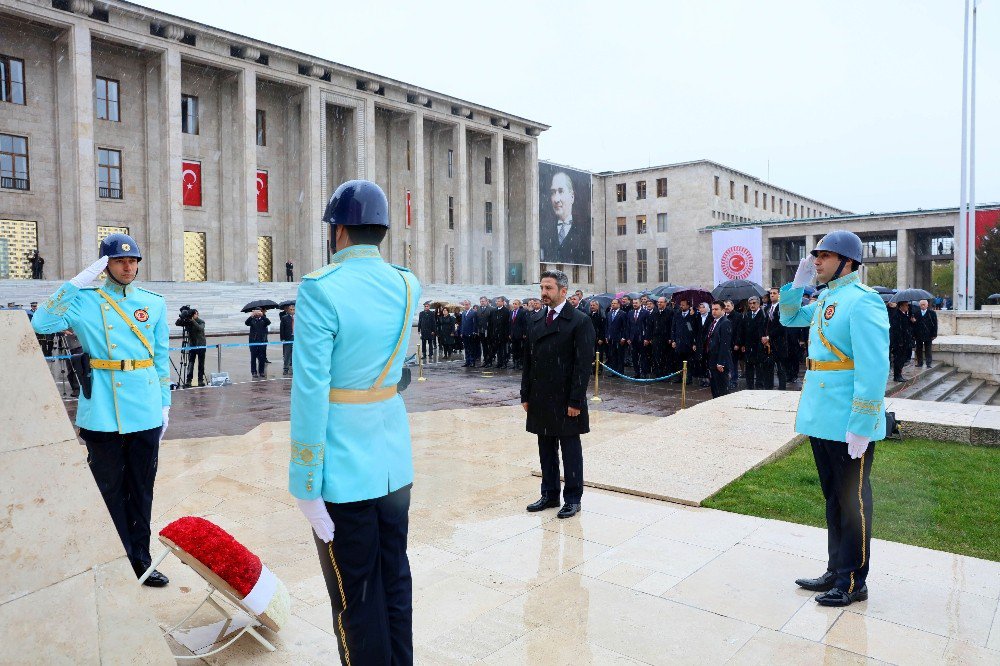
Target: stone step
(944, 387)
(987, 398)
(964, 392)
(924, 381)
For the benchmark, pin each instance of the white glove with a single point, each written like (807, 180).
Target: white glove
(90, 273)
(805, 273)
(856, 444)
(315, 512)
(166, 421)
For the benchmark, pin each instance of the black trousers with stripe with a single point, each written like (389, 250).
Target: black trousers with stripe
(846, 484)
(367, 574)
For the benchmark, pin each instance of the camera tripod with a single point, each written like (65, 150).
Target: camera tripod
(67, 377)
(182, 370)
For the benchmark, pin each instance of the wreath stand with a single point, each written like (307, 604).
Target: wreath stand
(216, 586)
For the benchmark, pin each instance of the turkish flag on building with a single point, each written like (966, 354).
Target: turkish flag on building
(191, 178)
(261, 191)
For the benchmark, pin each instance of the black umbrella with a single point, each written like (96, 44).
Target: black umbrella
(737, 290)
(665, 290)
(883, 290)
(285, 304)
(260, 304)
(693, 295)
(634, 295)
(993, 298)
(910, 295)
(603, 299)
(886, 297)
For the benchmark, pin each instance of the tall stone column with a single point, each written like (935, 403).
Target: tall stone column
(239, 178)
(308, 237)
(765, 260)
(499, 209)
(532, 271)
(75, 151)
(904, 259)
(422, 248)
(463, 248)
(164, 157)
(366, 138)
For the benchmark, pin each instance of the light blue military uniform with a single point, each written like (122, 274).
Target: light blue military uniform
(852, 318)
(122, 401)
(349, 317)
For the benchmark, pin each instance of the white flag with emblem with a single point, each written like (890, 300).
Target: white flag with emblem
(737, 255)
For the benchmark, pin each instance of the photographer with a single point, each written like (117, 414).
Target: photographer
(195, 327)
(258, 324)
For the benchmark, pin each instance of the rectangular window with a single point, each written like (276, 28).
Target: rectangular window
(189, 114)
(451, 212)
(661, 264)
(746, 194)
(620, 226)
(408, 160)
(489, 217)
(661, 222)
(576, 275)
(488, 169)
(622, 266)
(590, 270)
(109, 173)
(716, 186)
(640, 189)
(11, 80)
(772, 203)
(781, 206)
(756, 198)
(640, 268)
(261, 127)
(661, 187)
(732, 189)
(796, 209)
(451, 162)
(640, 224)
(106, 92)
(14, 162)
(620, 192)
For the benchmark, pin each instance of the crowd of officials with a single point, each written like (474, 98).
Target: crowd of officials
(651, 338)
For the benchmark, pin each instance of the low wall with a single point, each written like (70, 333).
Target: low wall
(981, 323)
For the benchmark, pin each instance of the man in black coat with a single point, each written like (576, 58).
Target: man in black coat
(776, 342)
(754, 354)
(500, 332)
(900, 338)
(614, 336)
(639, 334)
(258, 324)
(598, 320)
(682, 338)
(557, 368)
(518, 332)
(702, 320)
(286, 331)
(427, 328)
(925, 329)
(662, 321)
(719, 350)
(484, 315)
(735, 318)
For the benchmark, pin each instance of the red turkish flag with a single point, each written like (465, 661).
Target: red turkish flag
(191, 179)
(261, 191)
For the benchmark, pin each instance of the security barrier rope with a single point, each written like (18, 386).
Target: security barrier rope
(640, 381)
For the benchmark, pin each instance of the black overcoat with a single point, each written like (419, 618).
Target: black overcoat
(557, 367)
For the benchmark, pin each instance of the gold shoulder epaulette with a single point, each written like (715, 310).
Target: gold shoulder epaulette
(320, 272)
(149, 292)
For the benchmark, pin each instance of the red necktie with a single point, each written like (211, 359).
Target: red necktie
(550, 316)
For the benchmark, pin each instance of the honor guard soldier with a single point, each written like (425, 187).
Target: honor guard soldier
(125, 381)
(842, 407)
(351, 464)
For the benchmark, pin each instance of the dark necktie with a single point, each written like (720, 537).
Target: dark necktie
(550, 316)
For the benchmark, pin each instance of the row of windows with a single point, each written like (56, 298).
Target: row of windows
(621, 189)
(641, 265)
(778, 204)
(729, 217)
(640, 224)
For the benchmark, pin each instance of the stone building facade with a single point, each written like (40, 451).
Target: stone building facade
(119, 100)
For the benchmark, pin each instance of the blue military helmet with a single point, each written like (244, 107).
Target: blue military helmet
(844, 243)
(119, 245)
(358, 202)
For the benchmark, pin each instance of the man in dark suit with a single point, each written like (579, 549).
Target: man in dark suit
(427, 328)
(776, 342)
(286, 331)
(500, 332)
(557, 368)
(615, 328)
(662, 327)
(639, 339)
(702, 320)
(258, 324)
(565, 239)
(925, 329)
(754, 354)
(719, 350)
(469, 330)
(735, 318)
(682, 338)
(900, 338)
(518, 332)
(598, 320)
(483, 318)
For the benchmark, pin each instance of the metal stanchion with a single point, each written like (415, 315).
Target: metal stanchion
(684, 385)
(597, 377)
(218, 357)
(420, 369)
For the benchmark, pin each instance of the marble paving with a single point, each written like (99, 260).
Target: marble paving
(630, 580)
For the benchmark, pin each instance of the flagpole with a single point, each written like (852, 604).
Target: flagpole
(961, 227)
(970, 286)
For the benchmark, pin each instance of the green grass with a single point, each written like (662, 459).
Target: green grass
(941, 495)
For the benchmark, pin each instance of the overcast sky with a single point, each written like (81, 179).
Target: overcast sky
(856, 103)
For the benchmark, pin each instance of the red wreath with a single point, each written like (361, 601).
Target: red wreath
(217, 549)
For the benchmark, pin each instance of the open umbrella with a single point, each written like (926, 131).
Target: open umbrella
(693, 295)
(665, 290)
(260, 304)
(285, 304)
(883, 290)
(603, 299)
(993, 299)
(910, 295)
(737, 290)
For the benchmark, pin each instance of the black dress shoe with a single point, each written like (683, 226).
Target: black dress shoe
(156, 579)
(821, 584)
(543, 503)
(838, 597)
(568, 511)
(898, 379)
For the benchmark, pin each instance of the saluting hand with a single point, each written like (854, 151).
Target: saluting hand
(90, 273)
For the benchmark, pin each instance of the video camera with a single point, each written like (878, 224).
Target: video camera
(186, 315)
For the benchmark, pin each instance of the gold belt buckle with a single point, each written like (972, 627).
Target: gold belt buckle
(128, 364)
